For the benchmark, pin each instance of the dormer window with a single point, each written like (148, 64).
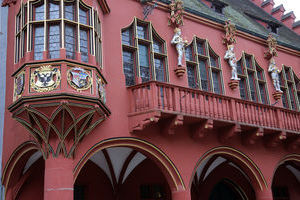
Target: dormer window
(273, 28)
(217, 6)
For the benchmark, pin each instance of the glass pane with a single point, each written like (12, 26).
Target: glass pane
(70, 41)
(69, 11)
(17, 49)
(281, 80)
(38, 42)
(216, 82)
(39, 13)
(203, 75)
(192, 79)
(263, 93)
(200, 48)
(287, 74)
(142, 32)
(157, 46)
(213, 62)
(53, 10)
(243, 91)
(189, 53)
(84, 45)
(127, 37)
(144, 63)
(54, 41)
(18, 22)
(128, 67)
(259, 75)
(248, 62)
(284, 99)
(239, 67)
(159, 69)
(252, 86)
(292, 96)
(83, 16)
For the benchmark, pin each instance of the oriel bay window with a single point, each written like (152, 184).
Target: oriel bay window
(290, 85)
(253, 82)
(49, 25)
(144, 54)
(203, 67)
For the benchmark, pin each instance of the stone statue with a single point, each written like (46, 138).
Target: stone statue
(180, 44)
(230, 56)
(230, 32)
(274, 74)
(272, 44)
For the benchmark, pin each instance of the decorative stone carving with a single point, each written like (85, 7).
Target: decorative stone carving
(230, 32)
(273, 69)
(45, 78)
(19, 85)
(178, 41)
(272, 44)
(101, 89)
(230, 56)
(79, 79)
(176, 14)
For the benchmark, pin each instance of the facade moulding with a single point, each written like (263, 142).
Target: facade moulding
(104, 6)
(219, 25)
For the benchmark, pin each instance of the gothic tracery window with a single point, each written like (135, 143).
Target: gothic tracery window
(75, 29)
(290, 85)
(203, 67)
(252, 80)
(144, 53)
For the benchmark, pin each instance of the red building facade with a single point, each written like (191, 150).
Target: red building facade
(100, 107)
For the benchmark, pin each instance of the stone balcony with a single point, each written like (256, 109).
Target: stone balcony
(59, 103)
(172, 106)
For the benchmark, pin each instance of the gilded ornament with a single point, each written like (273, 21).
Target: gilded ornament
(45, 78)
(230, 32)
(272, 45)
(19, 85)
(79, 79)
(176, 14)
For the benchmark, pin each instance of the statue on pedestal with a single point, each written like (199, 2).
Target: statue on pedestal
(230, 56)
(180, 44)
(273, 69)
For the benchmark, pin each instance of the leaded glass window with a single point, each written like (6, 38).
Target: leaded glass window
(290, 86)
(252, 84)
(207, 75)
(145, 56)
(54, 41)
(70, 41)
(51, 29)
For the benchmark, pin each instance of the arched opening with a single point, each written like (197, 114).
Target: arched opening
(225, 173)
(121, 173)
(286, 181)
(23, 174)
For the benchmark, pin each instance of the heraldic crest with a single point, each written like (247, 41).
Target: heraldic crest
(79, 78)
(45, 78)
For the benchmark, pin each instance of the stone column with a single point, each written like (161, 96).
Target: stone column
(264, 195)
(181, 195)
(58, 181)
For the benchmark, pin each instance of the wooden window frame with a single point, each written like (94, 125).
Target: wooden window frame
(208, 53)
(151, 36)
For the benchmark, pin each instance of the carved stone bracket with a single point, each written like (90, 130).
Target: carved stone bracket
(277, 95)
(59, 125)
(233, 84)
(179, 71)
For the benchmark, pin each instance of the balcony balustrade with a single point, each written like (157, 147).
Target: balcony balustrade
(154, 101)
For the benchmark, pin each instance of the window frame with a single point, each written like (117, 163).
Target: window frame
(208, 54)
(133, 43)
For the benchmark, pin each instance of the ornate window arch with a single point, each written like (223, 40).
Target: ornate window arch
(290, 85)
(144, 53)
(55, 24)
(253, 81)
(203, 67)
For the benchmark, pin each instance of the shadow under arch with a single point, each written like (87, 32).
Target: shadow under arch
(249, 167)
(158, 156)
(21, 154)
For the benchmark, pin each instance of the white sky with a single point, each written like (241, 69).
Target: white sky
(290, 5)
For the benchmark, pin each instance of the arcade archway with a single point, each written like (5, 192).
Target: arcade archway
(286, 180)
